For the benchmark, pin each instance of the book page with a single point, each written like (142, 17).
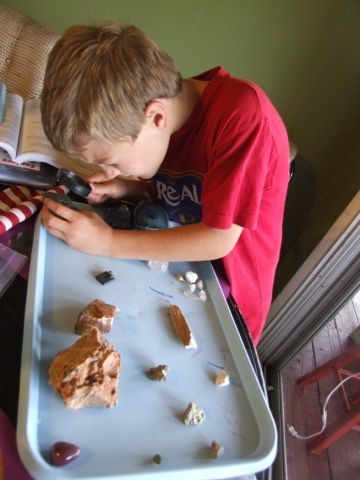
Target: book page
(34, 145)
(26, 165)
(10, 126)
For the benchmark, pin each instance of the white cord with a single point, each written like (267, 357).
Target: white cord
(323, 414)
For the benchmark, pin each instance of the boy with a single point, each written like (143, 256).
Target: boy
(213, 149)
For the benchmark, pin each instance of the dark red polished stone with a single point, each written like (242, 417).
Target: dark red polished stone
(62, 453)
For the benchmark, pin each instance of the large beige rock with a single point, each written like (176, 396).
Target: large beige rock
(87, 373)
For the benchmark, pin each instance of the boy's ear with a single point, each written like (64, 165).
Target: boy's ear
(155, 113)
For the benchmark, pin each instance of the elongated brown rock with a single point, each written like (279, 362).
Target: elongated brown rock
(181, 327)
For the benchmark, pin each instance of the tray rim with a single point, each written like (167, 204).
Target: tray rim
(262, 457)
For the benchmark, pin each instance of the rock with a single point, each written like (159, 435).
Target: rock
(62, 453)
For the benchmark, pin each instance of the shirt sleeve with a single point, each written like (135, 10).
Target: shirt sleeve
(234, 184)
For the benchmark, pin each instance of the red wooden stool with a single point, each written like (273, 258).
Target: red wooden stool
(351, 418)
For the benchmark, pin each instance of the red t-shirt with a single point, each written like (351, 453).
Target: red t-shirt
(229, 164)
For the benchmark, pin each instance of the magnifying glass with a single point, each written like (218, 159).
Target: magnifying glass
(74, 182)
(145, 215)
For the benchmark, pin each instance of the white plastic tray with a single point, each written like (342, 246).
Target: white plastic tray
(119, 443)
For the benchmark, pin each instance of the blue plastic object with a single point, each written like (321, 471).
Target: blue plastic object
(119, 443)
(2, 100)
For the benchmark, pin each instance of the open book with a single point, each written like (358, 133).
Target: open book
(26, 155)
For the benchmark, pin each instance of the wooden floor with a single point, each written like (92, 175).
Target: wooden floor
(302, 408)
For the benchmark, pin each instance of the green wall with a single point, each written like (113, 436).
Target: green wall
(304, 53)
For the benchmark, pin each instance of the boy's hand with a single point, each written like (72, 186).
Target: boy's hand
(84, 231)
(104, 188)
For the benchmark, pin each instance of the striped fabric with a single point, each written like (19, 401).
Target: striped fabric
(18, 203)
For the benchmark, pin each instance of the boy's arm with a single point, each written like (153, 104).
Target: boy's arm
(184, 243)
(87, 232)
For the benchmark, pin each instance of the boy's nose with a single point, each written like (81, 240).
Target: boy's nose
(110, 171)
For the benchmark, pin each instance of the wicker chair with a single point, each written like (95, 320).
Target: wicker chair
(24, 48)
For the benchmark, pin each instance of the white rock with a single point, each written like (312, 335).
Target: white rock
(191, 295)
(202, 296)
(157, 266)
(200, 284)
(193, 415)
(191, 277)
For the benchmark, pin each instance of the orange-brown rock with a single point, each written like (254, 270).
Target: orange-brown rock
(96, 314)
(87, 373)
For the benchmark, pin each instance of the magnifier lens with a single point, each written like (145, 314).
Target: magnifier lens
(74, 182)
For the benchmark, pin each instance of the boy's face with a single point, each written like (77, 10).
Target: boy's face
(141, 157)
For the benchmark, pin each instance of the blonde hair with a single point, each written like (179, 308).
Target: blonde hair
(98, 82)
